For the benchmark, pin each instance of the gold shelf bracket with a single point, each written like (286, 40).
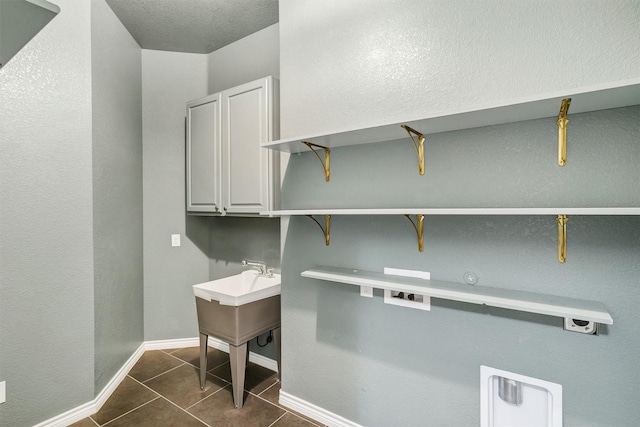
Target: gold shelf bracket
(326, 229)
(562, 131)
(419, 146)
(327, 156)
(562, 238)
(419, 227)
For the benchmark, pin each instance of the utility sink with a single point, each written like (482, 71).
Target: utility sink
(243, 288)
(235, 310)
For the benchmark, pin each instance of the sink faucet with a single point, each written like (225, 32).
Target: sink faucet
(260, 266)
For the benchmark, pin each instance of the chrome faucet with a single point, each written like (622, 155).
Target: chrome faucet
(260, 266)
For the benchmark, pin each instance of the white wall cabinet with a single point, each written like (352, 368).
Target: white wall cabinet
(227, 171)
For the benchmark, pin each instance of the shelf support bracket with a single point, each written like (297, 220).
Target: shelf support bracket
(419, 227)
(326, 229)
(562, 238)
(327, 156)
(562, 131)
(419, 146)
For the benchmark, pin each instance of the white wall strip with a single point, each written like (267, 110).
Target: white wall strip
(315, 412)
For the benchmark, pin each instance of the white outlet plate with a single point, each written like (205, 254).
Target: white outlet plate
(3, 391)
(175, 240)
(425, 304)
(591, 328)
(366, 291)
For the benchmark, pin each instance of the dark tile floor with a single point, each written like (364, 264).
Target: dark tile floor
(163, 389)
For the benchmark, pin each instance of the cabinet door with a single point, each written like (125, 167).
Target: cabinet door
(203, 154)
(249, 169)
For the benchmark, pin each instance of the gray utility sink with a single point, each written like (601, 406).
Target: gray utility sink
(237, 309)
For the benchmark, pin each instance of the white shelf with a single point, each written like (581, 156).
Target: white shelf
(592, 98)
(459, 211)
(530, 302)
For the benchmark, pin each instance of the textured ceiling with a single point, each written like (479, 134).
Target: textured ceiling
(196, 26)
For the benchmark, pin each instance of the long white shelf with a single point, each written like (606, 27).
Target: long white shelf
(592, 98)
(459, 211)
(550, 305)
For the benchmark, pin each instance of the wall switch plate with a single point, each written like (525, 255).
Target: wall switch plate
(404, 299)
(582, 326)
(175, 240)
(3, 391)
(366, 291)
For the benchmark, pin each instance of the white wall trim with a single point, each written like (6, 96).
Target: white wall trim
(93, 406)
(111, 386)
(313, 411)
(171, 344)
(256, 358)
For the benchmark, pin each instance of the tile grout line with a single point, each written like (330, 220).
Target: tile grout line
(192, 364)
(206, 397)
(185, 411)
(130, 411)
(278, 419)
(180, 407)
(283, 408)
(160, 374)
(225, 385)
(272, 385)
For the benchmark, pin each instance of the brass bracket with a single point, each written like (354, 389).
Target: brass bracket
(327, 155)
(562, 131)
(562, 238)
(419, 227)
(325, 229)
(419, 146)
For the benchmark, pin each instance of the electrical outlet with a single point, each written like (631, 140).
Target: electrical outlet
(582, 326)
(407, 296)
(405, 299)
(3, 391)
(175, 240)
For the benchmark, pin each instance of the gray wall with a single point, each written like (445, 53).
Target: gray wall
(384, 365)
(20, 20)
(117, 192)
(46, 222)
(70, 197)
(169, 81)
(211, 247)
(235, 238)
(250, 58)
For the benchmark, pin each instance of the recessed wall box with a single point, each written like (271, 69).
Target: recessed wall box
(582, 326)
(508, 399)
(406, 299)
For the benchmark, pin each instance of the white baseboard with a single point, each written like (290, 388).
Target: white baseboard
(315, 412)
(171, 344)
(111, 386)
(90, 408)
(256, 358)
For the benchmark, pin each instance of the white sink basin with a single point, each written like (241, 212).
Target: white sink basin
(240, 289)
